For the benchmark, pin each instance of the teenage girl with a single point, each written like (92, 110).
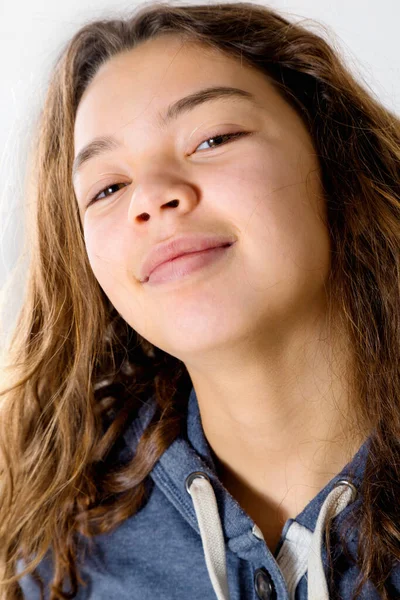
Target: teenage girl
(202, 392)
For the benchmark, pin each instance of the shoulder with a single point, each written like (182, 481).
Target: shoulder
(394, 581)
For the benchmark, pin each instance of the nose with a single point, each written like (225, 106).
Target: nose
(148, 201)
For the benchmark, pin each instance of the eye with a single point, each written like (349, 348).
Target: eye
(217, 137)
(106, 189)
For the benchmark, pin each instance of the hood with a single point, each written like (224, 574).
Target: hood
(186, 474)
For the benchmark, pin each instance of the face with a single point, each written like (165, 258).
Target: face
(261, 188)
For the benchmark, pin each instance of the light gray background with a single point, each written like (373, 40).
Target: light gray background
(32, 33)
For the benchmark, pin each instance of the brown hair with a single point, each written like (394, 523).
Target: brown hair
(78, 373)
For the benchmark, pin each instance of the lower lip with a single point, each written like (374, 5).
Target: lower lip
(186, 264)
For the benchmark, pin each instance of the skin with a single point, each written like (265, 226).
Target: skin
(270, 376)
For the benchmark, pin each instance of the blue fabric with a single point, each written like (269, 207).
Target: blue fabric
(158, 552)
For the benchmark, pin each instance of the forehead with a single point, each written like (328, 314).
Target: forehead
(164, 65)
(136, 86)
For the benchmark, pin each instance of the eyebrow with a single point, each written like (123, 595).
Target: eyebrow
(103, 144)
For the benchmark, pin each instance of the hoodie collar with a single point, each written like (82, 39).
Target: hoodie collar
(353, 471)
(191, 452)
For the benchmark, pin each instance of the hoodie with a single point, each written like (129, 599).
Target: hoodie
(193, 541)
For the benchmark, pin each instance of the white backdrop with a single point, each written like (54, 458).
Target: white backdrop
(32, 33)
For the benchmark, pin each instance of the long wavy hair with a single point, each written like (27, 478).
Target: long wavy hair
(76, 373)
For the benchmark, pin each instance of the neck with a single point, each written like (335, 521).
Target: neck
(281, 427)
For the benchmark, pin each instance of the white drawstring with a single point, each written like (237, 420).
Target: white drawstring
(205, 505)
(341, 495)
(212, 536)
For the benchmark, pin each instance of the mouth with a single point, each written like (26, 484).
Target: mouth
(184, 265)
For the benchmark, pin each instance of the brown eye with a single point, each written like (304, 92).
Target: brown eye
(106, 189)
(215, 139)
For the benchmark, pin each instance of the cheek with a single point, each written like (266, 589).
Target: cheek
(104, 246)
(277, 199)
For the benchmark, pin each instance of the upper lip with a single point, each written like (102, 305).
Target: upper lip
(181, 245)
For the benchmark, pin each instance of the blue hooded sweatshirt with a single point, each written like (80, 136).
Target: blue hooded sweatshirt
(193, 541)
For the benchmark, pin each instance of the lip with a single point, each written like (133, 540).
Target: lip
(180, 246)
(186, 264)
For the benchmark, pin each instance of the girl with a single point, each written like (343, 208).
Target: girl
(204, 393)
